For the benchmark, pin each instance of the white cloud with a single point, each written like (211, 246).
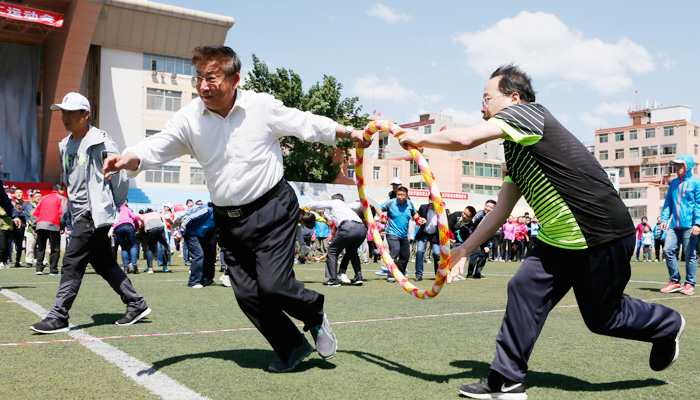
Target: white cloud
(371, 87)
(667, 62)
(387, 14)
(592, 121)
(617, 109)
(546, 48)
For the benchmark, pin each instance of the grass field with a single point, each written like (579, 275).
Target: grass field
(391, 345)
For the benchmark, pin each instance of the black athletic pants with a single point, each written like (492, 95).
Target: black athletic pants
(400, 251)
(349, 237)
(258, 241)
(598, 276)
(90, 245)
(54, 238)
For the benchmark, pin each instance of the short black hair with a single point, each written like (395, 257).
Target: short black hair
(492, 201)
(308, 220)
(471, 210)
(56, 187)
(514, 81)
(402, 189)
(338, 196)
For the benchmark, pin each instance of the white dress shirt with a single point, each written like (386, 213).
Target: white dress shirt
(335, 210)
(240, 154)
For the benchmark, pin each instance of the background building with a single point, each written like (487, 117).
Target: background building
(641, 152)
(130, 58)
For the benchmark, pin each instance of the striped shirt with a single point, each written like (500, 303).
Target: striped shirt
(572, 196)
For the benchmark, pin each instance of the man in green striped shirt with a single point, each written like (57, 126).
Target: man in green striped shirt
(585, 242)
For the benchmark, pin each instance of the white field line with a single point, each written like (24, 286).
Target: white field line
(143, 374)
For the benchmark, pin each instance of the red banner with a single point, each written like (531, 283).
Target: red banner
(445, 195)
(31, 15)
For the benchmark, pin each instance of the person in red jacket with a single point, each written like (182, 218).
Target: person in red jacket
(48, 215)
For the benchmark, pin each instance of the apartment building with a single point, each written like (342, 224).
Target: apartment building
(641, 152)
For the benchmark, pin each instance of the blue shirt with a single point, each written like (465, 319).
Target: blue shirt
(398, 216)
(322, 230)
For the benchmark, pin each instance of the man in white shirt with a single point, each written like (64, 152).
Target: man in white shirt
(234, 134)
(350, 234)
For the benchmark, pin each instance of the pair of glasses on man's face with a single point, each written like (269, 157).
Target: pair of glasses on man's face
(211, 80)
(487, 100)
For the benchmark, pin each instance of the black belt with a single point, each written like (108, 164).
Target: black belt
(348, 221)
(247, 209)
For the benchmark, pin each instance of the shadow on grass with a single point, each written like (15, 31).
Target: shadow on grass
(476, 370)
(17, 287)
(245, 358)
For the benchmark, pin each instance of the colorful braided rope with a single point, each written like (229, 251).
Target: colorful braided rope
(384, 126)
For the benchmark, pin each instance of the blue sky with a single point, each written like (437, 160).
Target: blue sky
(589, 60)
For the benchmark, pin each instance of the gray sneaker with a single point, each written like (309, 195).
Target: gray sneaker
(326, 343)
(298, 354)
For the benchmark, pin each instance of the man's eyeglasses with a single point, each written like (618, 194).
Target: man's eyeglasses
(487, 100)
(211, 80)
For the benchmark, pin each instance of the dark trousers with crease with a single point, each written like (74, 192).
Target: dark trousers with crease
(598, 276)
(54, 238)
(91, 245)
(259, 250)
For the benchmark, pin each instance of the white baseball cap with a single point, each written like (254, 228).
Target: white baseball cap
(396, 181)
(72, 102)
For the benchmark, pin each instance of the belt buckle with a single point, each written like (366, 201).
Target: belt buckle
(235, 213)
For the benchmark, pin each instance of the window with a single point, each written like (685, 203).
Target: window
(486, 189)
(418, 185)
(151, 132)
(695, 130)
(395, 172)
(351, 172)
(487, 170)
(159, 99)
(633, 135)
(152, 62)
(666, 169)
(428, 129)
(603, 155)
(619, 154)
(695, 149)
(636, 175)
(603, 138)
(376, 173)
(650, 151)
(383, 146)
(622, 171)
(637, 212)
(634, 152)
(197, 176)
(164, 174)
(667, 149)
(619, 136)
(467, 188)
(633, 193)
(668, 131)
(468, 168)
(651, 133)
(414, 168)
(650, 170)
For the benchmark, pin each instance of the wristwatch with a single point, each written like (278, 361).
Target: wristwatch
(348, 131)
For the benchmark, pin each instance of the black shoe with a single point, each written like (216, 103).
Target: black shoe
(332, 283)
(51, 325)
(298, 354)
(358, 280)
(419, 278)
(664, 352)
(29, 265)
(496, 386)
(132, 316)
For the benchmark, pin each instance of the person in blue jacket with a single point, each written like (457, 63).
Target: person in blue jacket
(198, 229)
(680, 218)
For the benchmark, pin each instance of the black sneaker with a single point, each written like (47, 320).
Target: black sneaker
(494, 386)
(51, 325)
(332, 283)
(326, 343)
(298, 354)
(419, 278)
(132, 316)
(358, 280)
(664, 352)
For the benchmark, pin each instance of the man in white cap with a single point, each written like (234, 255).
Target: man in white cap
(395, 185)
(82, 153)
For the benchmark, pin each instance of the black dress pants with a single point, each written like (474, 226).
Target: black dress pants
(54, 238)
(258, 241)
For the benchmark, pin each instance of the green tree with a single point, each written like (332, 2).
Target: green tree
(305, 161)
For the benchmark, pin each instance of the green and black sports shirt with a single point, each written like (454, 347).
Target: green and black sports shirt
(571, 194)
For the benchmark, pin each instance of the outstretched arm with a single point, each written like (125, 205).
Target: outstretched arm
(454, 139)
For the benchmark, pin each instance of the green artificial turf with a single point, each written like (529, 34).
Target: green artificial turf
(379, 356)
